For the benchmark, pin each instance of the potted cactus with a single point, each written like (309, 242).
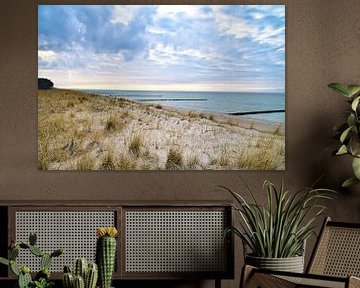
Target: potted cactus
(42, 278)
(85, 275)
(106, 254)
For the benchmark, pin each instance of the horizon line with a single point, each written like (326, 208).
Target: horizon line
(160, 90)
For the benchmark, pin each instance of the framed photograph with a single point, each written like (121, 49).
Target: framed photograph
(161, 87)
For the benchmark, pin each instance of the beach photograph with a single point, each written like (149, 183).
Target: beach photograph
(161, 87)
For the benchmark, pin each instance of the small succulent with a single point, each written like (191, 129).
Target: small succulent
(42, 278)
(42, 283)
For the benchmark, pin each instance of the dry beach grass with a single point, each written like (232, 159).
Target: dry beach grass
(81, 131)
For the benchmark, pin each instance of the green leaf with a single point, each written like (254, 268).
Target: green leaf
(349, 182)
(345, 134)
(342, 150)
(4, 261)
(356, 167)
(45, 261)
(354, 145)
(353, 89)
(279, 228)
(14, 268)
(13, 253)
(351, 120)
(340, 88)
(36, 251)
(355, 103)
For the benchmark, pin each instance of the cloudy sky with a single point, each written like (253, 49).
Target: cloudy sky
(195, 48)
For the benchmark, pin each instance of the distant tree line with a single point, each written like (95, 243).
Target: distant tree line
(44, 83)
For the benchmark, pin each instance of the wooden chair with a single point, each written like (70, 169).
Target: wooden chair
(334, 263)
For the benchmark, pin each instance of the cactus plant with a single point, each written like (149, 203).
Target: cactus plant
(24, 277)
(42, 278)
(105, 254)
(68, 280)
(80, 267)
(79, 282)
(84, 274)
(91, 276)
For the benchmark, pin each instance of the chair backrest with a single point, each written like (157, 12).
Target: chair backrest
(337, 251)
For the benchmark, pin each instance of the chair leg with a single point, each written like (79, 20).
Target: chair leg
(246, 273)
(217, 283)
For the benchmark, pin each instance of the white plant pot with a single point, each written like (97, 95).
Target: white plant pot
(291, 264)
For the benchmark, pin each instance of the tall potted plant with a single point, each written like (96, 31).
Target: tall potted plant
(276, 233)
(348, 132)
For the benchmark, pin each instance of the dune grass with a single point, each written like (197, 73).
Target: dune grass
(135, 144)
(263, 155)
(174, 159)
(82, 131)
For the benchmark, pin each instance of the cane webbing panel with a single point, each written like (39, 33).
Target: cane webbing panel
(338, 252)
(175, 241)
(313, 282)
(75, 231)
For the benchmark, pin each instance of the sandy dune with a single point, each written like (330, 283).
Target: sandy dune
(86, 132)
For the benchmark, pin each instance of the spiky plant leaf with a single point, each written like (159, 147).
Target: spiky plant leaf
(280, 228)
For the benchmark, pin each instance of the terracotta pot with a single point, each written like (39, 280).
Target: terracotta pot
(291, 264)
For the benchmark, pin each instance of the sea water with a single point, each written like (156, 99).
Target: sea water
(217, 102)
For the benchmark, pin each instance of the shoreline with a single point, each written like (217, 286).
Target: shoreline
(88, 131)
(243, 121)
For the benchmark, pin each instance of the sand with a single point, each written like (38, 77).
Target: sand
(80, 131)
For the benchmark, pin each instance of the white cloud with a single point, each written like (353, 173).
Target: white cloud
(273, 10)
(257, 15)
(173, 11)
(271, 36)
(241, 28)
(159, 31)
(230, 25)
(169, 55)
(47, 55)
(123, 14)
